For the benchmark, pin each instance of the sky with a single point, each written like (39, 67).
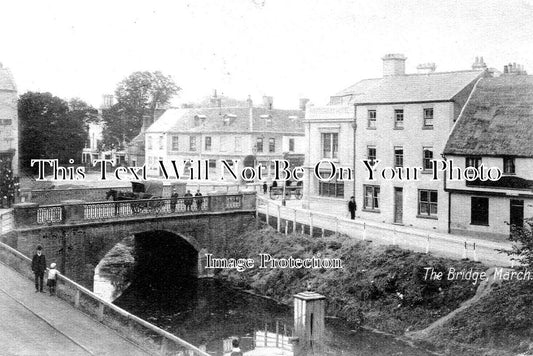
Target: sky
(288, 49)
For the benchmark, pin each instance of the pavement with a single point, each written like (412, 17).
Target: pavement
(332, 215)
(40, 324)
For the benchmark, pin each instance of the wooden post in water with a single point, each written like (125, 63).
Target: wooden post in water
(309, 313)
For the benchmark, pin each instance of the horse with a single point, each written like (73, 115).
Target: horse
(119, 196)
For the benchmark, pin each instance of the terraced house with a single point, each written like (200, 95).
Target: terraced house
(402, 120)
(496, 130)
(215, 133)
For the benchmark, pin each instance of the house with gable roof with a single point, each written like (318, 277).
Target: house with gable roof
(495, 129)
(215, 133)
(402, 120)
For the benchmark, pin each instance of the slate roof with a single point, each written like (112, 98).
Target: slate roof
(432, 87)
(497, 120)
(212, 120)
(6, 79)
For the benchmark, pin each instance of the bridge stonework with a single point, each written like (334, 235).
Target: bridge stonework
(79, 246)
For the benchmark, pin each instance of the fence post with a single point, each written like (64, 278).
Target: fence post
(464, 251)
(77, 298)
(286, 227)
(394, 237)
(294, 222)
(427, 244)
(266, 334)
(475, 253)
(277, 333)
(268, 212)
(336, 226)
(322, 232)
(364, 231)
(279, 218)
(100, 313)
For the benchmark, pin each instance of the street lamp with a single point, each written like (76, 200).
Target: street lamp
(354, 126)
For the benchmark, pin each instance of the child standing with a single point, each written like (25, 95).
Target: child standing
(52, 275)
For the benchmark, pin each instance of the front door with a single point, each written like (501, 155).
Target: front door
(398, 205)
(516, 210)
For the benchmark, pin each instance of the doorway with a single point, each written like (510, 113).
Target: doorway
(398, 205)
(516, 212)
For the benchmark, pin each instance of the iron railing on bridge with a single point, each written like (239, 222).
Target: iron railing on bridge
(131, 327)
(51, 214)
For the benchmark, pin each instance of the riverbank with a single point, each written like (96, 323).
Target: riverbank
(384, 288)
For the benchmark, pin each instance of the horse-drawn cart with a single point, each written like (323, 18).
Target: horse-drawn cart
(145, 196)
(291, 189)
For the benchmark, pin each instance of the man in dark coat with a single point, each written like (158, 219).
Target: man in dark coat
(352, 206)
(38, 266)
(199, 200)
(173, 201)
(188, 200)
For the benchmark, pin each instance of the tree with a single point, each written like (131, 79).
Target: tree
(139, 94)
(522, 249)
(49, 130)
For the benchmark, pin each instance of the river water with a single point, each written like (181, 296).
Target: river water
(209, 313)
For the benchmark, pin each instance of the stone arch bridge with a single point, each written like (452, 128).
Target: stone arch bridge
(77, 235)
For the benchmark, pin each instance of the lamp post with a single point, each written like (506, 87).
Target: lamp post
(354, 126)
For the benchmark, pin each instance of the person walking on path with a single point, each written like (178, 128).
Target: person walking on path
(352, 206)
(265, 188)
(38, 266)
(199, 200)
(52, 281)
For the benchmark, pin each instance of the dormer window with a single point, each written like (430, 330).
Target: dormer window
(267, 118)
(228, 119)
(199, 119)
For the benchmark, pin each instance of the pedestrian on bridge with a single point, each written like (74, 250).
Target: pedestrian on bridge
(38, 266)
(173, 201)
(352, 207)
(188, 200)
(199, 200)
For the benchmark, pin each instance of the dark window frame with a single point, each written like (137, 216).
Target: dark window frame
(427, 164)
(399, 119)
(428, 118)
(479, 211)
(371, 202)
(398, 156)
(509, 166)
(371, 119)
(426, 203)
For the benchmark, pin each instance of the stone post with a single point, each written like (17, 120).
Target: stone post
(73, 210)
(309, 314)
(25, 214)
(249, 200)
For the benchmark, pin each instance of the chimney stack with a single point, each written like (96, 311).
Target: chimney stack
(426, 68)
(514, 69)
(303, 103)
(268, 102)
(393, 64)
(479, 64)
(250, 112)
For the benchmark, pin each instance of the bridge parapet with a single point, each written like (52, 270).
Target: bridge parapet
(76, 211)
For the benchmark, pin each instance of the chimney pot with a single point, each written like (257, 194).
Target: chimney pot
(303, 103)
(393, 64)
(426, 68)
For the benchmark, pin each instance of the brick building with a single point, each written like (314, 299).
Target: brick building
(495, 129)
(219, 132)
(402, 120)
(9, 151)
